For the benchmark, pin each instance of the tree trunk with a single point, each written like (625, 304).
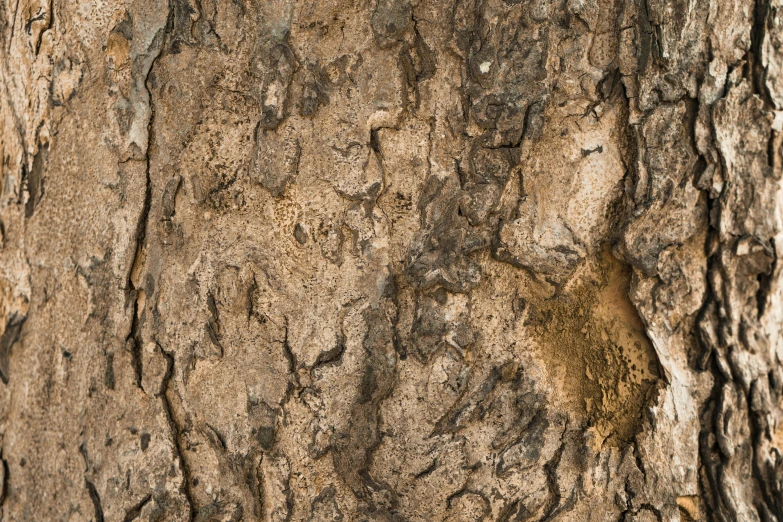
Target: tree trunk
(452, 260)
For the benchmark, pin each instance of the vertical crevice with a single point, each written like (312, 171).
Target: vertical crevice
(96, 500)
(175, 432)
(4, 482)
(138, 275)
(758, 32)
(550, 468)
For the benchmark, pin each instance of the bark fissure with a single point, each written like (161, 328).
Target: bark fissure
(176, 436)
(96, 500)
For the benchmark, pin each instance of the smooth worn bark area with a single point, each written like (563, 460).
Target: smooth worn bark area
(391, 260)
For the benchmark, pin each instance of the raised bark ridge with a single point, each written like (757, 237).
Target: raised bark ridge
(447, 260)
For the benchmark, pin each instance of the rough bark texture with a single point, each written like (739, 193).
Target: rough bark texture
(384, 260)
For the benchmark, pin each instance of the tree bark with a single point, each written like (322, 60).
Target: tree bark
(454, 260)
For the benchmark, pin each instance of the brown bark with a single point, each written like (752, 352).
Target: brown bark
(450, 260)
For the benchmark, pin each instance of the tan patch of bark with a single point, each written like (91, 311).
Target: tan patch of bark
(593, 340)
